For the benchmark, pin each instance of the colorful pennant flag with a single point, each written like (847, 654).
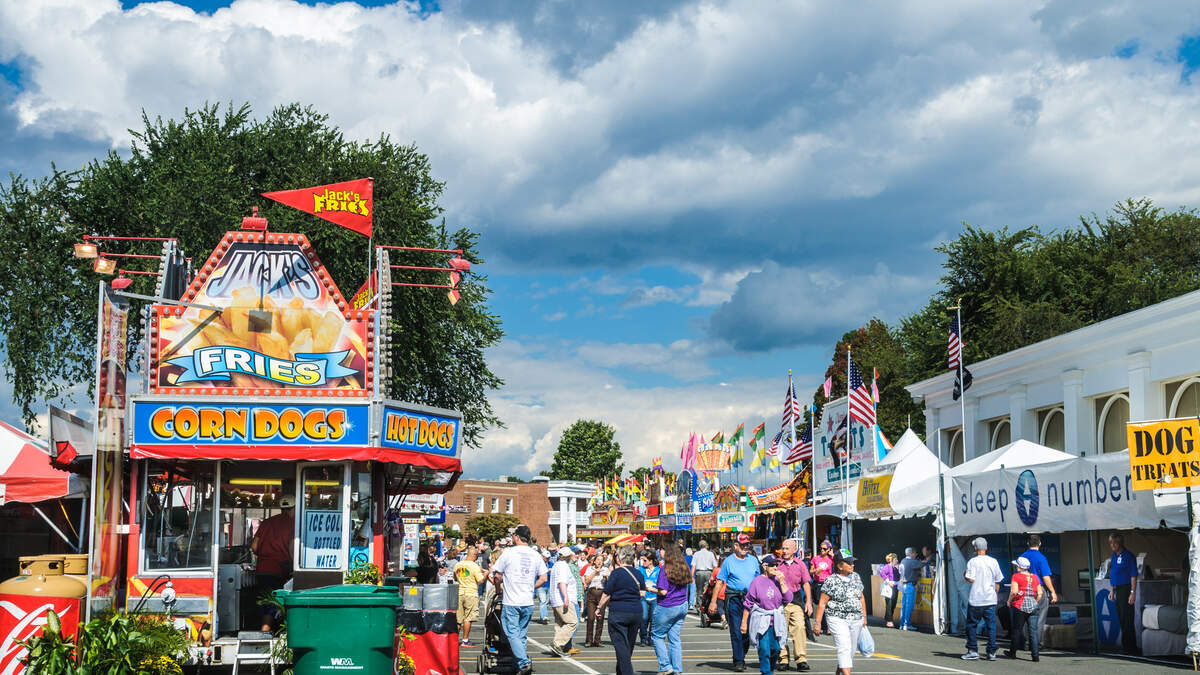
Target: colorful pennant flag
(347, 204)
(757, 434)
(828, 386)
(717, 438)
(737, 434)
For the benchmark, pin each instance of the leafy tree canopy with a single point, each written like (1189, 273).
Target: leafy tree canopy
(587, 451)
(492, 526)
(641, 473)
(194, 178)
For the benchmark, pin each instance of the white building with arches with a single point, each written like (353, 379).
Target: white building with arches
(1073, 392)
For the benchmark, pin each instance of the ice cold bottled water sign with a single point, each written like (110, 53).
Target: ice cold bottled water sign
(322, 540)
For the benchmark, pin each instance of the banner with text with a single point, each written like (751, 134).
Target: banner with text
(1086, 493)
(1162, 453)
(836, 437)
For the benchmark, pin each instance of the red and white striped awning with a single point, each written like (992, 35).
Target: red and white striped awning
(25, 471)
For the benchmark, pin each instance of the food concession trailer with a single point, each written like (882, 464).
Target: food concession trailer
(263, 382)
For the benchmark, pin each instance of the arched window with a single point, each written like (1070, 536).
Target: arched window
(1110, 432)
(1052, 429)
(1000, 433)
(1185, 398)
(956, 447)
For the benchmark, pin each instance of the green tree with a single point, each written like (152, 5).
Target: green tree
(587, 451)
(641, 472)
(194, 178)
(492, 526)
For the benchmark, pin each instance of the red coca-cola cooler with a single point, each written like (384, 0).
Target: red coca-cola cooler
(25, 600)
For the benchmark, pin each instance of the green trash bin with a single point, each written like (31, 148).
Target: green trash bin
(342, 629)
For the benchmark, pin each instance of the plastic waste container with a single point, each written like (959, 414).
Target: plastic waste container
(342, 629)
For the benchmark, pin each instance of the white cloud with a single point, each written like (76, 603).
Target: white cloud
(542, 396)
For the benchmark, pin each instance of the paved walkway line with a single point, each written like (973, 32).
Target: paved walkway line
(565, 659)
(927, 665)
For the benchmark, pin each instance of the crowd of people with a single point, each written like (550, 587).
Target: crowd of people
(772, 604)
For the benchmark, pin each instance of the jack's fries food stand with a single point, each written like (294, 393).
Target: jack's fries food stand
(264, 383)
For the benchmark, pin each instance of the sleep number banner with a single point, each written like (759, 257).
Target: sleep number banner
(1087, 493)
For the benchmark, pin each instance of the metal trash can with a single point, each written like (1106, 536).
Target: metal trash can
(343, 629)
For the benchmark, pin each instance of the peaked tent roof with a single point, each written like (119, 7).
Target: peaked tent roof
(1018, 453)
(915, 480)
(26, 473)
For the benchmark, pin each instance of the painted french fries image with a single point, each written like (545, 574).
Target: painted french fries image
(293, 329)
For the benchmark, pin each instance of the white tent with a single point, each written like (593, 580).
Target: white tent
(914, 469)
(1018, 453)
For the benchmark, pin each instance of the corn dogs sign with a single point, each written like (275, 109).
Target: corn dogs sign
(1164, 453)
(283, 328)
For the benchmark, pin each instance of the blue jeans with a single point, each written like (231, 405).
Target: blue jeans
(768, 651)
(543, 602)
(908, 599)
(515, 621)
(1019, 621)
(975, 616)
(739, 641)
(647, 616)
(664, 632)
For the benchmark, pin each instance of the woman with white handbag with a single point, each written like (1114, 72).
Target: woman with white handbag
(889, 590)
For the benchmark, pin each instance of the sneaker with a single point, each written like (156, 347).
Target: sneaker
(971, 656)
(557, 651)
(802, 666)
(467, 643)
(572, 651)
(739, 667)
(992, 656)
(666, 672)
(527, 670)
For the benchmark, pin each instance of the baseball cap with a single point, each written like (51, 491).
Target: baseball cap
(844, 555)
(743, 538)
(1022, 562)
(287, 502)
(769, 559)
(566, 550)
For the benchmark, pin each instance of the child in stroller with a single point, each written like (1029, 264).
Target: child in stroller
(497, 656)
(707, 619)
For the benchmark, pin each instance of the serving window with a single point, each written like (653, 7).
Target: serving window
(177, 515)
(323, 519)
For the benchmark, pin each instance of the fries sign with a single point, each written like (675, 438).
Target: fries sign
(283, 327)
(1163, 453)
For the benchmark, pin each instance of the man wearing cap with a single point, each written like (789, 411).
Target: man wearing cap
(795, 572)
(1040, 566)
(984, 574)
(272, 543)
(562, 601)
(518, 570)
(737, 571)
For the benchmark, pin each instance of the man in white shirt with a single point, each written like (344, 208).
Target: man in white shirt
(518, 571)
(984, 575)
(703, 564)
(563, 591)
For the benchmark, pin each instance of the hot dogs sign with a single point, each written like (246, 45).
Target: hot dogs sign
(283, 327)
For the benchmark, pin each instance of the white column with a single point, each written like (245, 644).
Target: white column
(569, 515)
(1022, 422)
(1079, 416)
(975, 439)
(1146, 399)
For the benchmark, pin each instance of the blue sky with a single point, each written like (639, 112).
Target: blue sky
(679, 200)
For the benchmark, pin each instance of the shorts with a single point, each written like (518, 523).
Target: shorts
(468, 607)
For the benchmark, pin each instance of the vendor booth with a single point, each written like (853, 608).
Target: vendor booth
(262, 449)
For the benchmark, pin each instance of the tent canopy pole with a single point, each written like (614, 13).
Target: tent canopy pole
(55, 528)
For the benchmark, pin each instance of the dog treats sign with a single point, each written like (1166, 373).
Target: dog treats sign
(282, 328)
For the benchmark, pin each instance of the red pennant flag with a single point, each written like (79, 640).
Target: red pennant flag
(347, 204)
(65, 453)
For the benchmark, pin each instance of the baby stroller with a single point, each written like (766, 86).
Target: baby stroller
(706, 595)
(496, 656)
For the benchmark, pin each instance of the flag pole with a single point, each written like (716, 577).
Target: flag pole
(962, 383)
(812, 466)
(845, 466)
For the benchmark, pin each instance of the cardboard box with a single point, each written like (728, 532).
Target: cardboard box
(1061, 636)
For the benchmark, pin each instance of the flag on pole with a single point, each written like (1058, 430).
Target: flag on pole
(954, 344)
(963, 385)
(737, 434)
(717, 438)
(656, 465)
(759, 459)
(735, 461)
(773, 450)
(862, 408)
(882, 445)
(828, 386)
(348, 204)
(875, 385)
(757, 434)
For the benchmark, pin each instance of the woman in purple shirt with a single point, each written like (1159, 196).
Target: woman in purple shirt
(674, 577)
(889, 572)
(763, 619)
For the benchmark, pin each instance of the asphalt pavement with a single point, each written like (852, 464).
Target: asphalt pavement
(706, 650)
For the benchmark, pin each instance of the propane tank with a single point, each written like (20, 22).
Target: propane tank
(75, 566)
(26, 598)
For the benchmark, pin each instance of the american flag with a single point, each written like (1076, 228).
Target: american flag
(773, 449)
(862, 408)
(954, 344)
(791, 407)
(803, 449)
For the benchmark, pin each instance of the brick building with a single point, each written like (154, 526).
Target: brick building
(552, 509)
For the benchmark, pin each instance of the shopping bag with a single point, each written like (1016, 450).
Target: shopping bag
(886, 591)
(866, 643)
